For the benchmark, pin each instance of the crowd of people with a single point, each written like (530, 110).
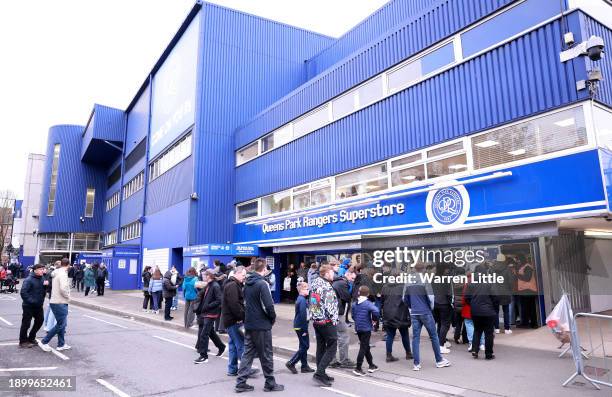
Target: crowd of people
(337, 298)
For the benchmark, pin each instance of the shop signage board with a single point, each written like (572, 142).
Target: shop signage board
(531, 192)
(221, 249)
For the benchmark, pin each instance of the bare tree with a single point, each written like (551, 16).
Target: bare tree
(7, 207)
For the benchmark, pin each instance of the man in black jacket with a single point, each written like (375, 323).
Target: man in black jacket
(33, 297)
(208, 308)
(232, 314)
(169, 292)
(259, 318)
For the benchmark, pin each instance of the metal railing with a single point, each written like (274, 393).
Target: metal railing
(596, 353)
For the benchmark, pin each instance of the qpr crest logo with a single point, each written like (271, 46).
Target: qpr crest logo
(448, 206)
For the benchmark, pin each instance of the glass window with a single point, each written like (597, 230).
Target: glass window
(370, 92)
(177, 153)
(405, 75)
(301, 200)
(445, 149)
(274, 203)
(602, 120)
(246, 154)
(53, 181)
(267, 143)
(89, 202)
(363, 181)
(320, 196)
(446, 166)
(548, 134)
(343, 105)
(248, 210)
(283, 135)
(438, 59)
(408, 175)
(312, 121)
(406, 160)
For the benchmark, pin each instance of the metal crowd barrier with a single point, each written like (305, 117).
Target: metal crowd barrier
(593, 353)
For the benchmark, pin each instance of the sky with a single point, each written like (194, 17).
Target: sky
(60, 57)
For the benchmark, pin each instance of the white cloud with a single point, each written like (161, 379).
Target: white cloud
(60, 57)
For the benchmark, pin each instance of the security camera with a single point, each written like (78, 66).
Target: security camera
(82, 219)
(595, 46)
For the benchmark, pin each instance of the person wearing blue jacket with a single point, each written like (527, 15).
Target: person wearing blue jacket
(156, 285)
(364, 312)
(420, 299)
(190, 293)
(300, 325)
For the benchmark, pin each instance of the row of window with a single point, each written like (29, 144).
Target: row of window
(357, 98)
(177, 153)
(525, 15)
(112, 201)
(134, 185)
(539, 136)
(110, 238)
(68, 242)
(131, 231)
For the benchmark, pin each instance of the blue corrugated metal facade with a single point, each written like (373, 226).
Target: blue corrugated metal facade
(593, 27)
(254, 75)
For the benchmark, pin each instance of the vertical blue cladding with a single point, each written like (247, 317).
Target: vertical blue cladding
(137, 121)
(245, 63)
(515, 20)
(516, 80)
(413, 35)
(166, 228)
(131, 209)
(173, 102)
(388, 16)
(593, 27)
(74, 177)
(110, 221)
(170, 188)
(108, 123)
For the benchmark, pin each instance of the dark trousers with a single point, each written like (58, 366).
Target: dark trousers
(364, 349)
(147, 303)
(443, 315)
(301, 354)
(100, 286)
(79, 285)
(167, 308)
(460, 331)
(529, 317)
(257, 343)
(391, 336)
(506, 310)
(327, 343)
(87, 290)
(206, 331)
(484, 324)
(29, 313)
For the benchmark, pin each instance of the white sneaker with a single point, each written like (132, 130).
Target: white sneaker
(65, 347)
(44, 346)
(470, 347)
(482, 347)
(447, 345)
(508, 331)
(497, 330)
(417, 367)
(443, 363)
(444, 350)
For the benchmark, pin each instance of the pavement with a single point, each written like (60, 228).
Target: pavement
(138, 352)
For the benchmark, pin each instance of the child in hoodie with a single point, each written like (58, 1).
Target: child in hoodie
(364, 312)
(300, 326)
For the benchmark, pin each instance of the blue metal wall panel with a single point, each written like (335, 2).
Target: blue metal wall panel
(110, 221)
(109, 123)
(131, 209)
(137, 122)
(385, 18)
(135, 170)
(516, 80)
(245, 63)
(74, 177)
(604, 92)
(404, 41)
(171, 187)
(167, 228)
